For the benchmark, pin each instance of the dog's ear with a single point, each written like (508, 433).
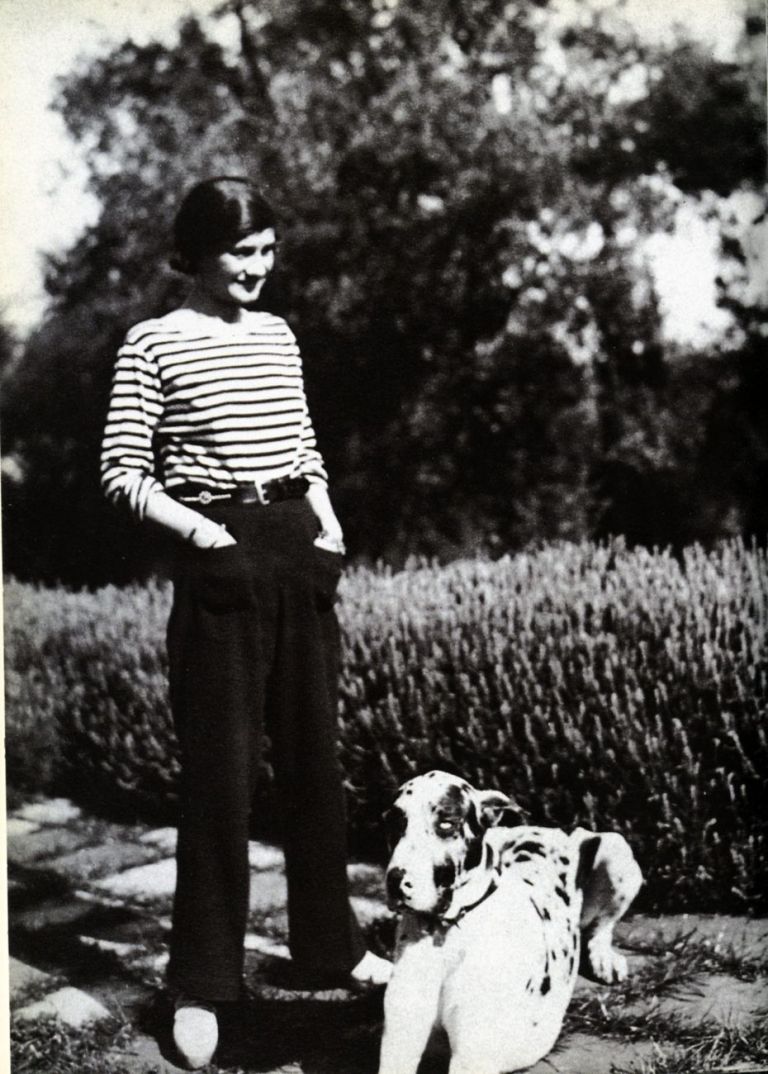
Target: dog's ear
(394, 825)
(588, 844)
(498, 811)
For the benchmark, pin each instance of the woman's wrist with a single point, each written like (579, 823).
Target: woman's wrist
(331, 539)
(206, 533)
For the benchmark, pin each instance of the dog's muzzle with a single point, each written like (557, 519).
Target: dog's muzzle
(396, 884)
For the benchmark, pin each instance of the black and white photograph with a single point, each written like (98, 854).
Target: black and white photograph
(384, 430)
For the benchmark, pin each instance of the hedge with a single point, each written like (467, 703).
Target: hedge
(599, 685)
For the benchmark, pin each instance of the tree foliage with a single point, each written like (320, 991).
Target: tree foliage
(464, 190)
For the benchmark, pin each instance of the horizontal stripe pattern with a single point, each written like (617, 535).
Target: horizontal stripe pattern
(217, 407)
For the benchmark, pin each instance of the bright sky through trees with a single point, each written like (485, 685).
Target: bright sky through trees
(42, 178)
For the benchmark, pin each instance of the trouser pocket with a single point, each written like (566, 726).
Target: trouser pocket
(327, 575)
(222, 579)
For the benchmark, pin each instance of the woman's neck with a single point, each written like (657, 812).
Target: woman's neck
(201, 302)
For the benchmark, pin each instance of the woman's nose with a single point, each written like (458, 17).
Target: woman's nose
(257, 265)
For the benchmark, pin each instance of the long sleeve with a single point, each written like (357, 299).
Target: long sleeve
(135, 408)
(311, 463)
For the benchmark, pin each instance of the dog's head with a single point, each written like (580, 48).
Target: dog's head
(436, 829)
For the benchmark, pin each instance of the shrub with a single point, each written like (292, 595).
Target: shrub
(601, 686)
(94, 670)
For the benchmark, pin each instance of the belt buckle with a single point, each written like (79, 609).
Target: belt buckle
(261, 492)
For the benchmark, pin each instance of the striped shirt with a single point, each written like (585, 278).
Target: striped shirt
(221, 406)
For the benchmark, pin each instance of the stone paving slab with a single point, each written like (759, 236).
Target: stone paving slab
(16, 828)
(142, 883)
(73, 1006)
(54, 811)
(45, 843)
(163, 838)
(369, 910)
(713, 998)
(89, 863)
(269, 891)
(726, 934)
(266, 946)
(367, 873)
(22, 978)
(581, 1053)
(52, 914)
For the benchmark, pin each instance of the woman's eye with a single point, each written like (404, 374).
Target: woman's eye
(445, 826)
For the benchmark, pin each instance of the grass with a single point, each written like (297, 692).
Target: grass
(47, 1046)
(672, 970)
(710, 1050)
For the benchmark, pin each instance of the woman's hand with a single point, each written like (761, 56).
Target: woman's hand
(331, 541)
(209, 534)
(331, 535)
(186, 523)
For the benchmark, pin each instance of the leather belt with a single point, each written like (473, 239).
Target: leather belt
(279, 488)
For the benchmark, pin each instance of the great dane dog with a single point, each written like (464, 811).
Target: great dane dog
(495, 923)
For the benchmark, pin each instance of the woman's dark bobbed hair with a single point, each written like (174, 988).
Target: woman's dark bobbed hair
(215, 214)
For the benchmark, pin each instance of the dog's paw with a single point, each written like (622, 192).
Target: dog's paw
(602, 962)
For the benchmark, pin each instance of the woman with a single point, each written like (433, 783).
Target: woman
(216, 389)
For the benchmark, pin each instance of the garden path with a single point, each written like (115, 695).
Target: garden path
(89, 919)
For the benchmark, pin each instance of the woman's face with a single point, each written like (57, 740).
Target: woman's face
(235, 277)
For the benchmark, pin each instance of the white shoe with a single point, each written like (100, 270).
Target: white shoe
(372, 970)
(195, 1034)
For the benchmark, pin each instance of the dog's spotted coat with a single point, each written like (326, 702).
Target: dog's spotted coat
(495, 922)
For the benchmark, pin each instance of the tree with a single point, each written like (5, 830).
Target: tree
(482, 344)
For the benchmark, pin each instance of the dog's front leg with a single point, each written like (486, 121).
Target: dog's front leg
(411, 1005)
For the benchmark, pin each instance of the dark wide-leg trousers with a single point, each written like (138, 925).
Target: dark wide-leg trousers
(253, 645)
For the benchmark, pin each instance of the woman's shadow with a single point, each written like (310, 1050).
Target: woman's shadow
(275, 1027)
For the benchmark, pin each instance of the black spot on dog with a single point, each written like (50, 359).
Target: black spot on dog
(553, 955)
(444, 874)
(394, 879)
(562, 878)
(522, 857)
(452, 804)
(474, 853)
(473, 820)
(563, 894)
(530, 847)
(526, 879)
(542, 911)
(546, 984)
(529, 985)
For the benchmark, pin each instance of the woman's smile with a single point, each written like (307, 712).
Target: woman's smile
(235, 277)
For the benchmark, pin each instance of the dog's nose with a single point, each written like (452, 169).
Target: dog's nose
(396, 884)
